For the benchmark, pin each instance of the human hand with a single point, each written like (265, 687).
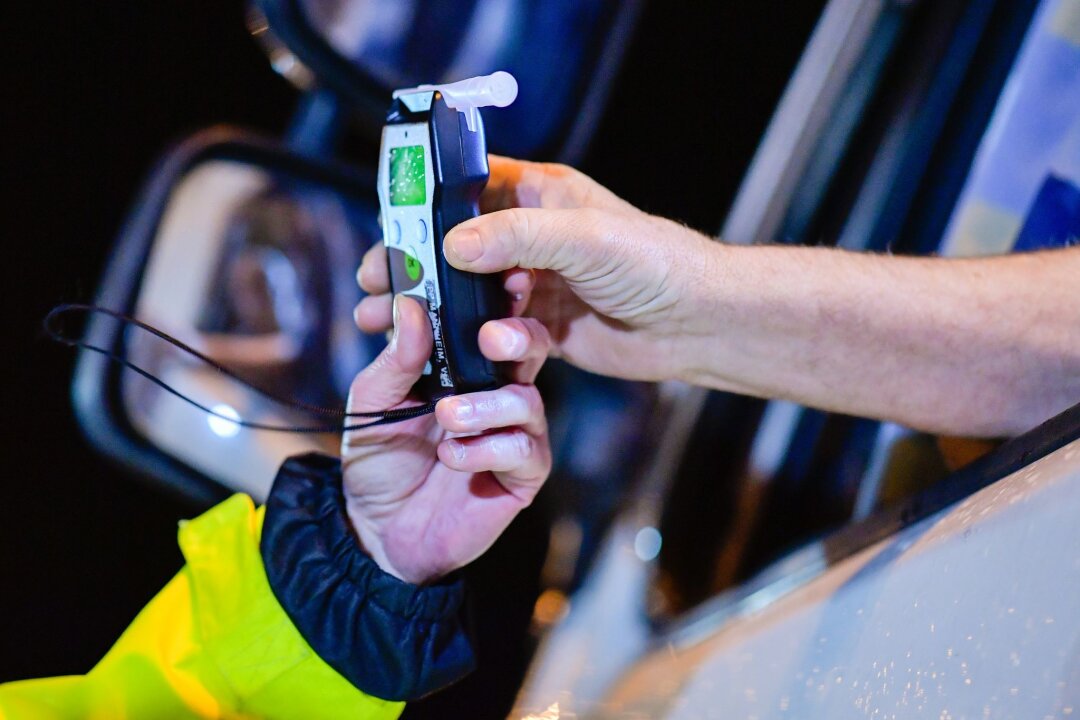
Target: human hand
(429, 495)
(622, 292)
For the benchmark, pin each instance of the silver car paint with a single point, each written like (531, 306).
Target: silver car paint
(971, 613)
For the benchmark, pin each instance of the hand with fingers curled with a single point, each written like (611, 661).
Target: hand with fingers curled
(431, 494)
(621, 292)
(337, 594)
(892, 337)
(334, 595)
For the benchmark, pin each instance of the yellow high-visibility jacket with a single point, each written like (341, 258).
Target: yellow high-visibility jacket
(214, 643)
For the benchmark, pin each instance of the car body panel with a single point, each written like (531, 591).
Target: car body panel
(968, 613)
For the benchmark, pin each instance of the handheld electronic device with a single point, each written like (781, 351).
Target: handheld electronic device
(432, 169)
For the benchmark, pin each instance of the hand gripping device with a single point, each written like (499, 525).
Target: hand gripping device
(432, 169)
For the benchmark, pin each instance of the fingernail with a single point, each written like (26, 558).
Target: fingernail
(466, 245)
(512, 342)
(463, 409)
(394, 335)
(457, 449)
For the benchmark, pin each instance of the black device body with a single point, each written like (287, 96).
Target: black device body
(454, 160)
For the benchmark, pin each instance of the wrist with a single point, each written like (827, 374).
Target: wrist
(370, 537)
(706, 265)
(345, 607)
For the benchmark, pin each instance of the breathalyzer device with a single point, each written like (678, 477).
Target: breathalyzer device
(432, 168)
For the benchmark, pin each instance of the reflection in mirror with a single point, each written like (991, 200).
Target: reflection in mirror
(257, 270)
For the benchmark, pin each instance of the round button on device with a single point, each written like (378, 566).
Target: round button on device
(421, 230)
(395, 232)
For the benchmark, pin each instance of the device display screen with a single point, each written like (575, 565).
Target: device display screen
(408, 175)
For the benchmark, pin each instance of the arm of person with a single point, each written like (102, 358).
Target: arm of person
(213, 643)
(975, 347)
(981, 347)
(337, 599)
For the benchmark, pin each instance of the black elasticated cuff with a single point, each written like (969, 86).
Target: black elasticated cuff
(392, 640)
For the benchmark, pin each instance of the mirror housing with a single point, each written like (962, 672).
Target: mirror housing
(113, 419)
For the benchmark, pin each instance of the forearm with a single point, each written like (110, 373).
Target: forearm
(981, 347)
(214, 643)
(282, 617)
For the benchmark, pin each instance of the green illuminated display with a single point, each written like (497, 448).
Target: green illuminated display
(408, 185)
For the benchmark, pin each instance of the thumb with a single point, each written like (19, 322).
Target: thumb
(570, 242)
(386, 382)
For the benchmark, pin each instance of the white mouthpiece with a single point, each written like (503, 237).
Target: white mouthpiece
(498, 89)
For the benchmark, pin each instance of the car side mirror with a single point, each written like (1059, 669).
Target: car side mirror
(247, 252)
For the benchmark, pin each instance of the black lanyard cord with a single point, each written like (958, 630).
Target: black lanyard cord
(385, 417)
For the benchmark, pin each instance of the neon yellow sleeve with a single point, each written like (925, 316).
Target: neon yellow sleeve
(214, 643)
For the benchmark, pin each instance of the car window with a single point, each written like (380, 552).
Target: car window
(761, 479)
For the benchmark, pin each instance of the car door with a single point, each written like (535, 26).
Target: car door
(938, 596)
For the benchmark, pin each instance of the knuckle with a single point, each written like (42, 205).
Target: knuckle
(515, 218)
(558, 171)
(520, 235)
(593, 227)
(545, 460)
(522, 443)
(577, 184)
(539, 337)
(521, 328)
(606, 232)
(527, 398)
(533, 402)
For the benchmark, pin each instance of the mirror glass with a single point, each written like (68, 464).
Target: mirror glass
(257, 270)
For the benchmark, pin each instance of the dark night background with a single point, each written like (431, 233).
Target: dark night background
(94, 92)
